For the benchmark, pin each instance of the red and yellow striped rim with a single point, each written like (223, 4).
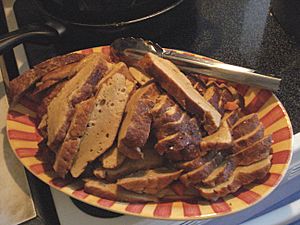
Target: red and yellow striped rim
(23, 137)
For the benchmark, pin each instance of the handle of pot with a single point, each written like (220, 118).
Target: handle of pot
(34, 33)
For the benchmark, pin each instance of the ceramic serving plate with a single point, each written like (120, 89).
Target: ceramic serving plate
(24, 137)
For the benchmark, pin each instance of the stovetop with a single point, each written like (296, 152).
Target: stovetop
(238, 32)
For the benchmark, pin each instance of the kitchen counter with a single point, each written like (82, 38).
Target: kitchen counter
(240, 32)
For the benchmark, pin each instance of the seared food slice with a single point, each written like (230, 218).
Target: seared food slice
(149, 181)
(178, 85)
(114, 192)
(100, 134)
(220, 174)
(139, 76)
(219, 140)
(135, 128)
(197, 162)
(20, 84)
(69, 148)
(245, 125)
(258, 151)
(242, 175)
(79, 88)
(177, 133)
(202, 172)
(213, 96)
(248, 139)
(232, 117)
(151, 160)
(112, 158)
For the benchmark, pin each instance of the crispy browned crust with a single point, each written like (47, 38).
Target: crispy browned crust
(188, 153)
(150, 182)
(256, 152)
(197, 175)
(177, 133)
(42, 108)
(238, 179)
(223, 174)
(135, 128)
(19, 85)
(54, 77)
(248, 139)
(151, 160)
(150, 64)
(83, 93)
(245, 125)
(232, 117)
(196, 162)
(69, 148)
(219, 140)
(113, 192)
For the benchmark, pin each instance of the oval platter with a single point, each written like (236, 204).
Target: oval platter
(24, 137)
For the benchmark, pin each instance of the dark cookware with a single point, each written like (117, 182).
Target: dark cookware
(92, 20)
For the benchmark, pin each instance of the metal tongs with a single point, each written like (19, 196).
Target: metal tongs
(133, 49)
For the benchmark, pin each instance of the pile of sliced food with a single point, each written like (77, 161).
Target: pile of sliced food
(143, 132)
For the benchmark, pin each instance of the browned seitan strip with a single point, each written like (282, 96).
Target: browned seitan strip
(149, 181)
(245, 125)
(248, 139)
(197, 162)
(242, 175)
(197, 175)
(212, 95)
(178, 85)
(135, 128)
(69, 148)
(112, 191)
(188, 153)
(79, 88)
(220, 174)
(232, 117)
(151, 160)
(100, 134)
(219, 140)
(139, 76)
(42, 108)
(258, 151)
(112, 158)
(20, 84)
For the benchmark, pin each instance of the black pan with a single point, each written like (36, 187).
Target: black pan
(78, 19)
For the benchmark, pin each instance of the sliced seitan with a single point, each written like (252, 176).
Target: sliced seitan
(80, 87)
(220, 174)
(151, 160)
(149, 181)
(55, 77)
(202, 172)
(245, 125)
(197, 162)
(178, 85)
(100, 134)
(19, 85)
(139, 76)
(112, 158)
(248, 139)
(135, 128)
(219, 140)
(213, 96)
(69, 148)
(242, 175)
(232, 117)
(256, 152)
(112, 191)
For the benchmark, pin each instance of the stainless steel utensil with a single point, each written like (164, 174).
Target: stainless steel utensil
(132, 49)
